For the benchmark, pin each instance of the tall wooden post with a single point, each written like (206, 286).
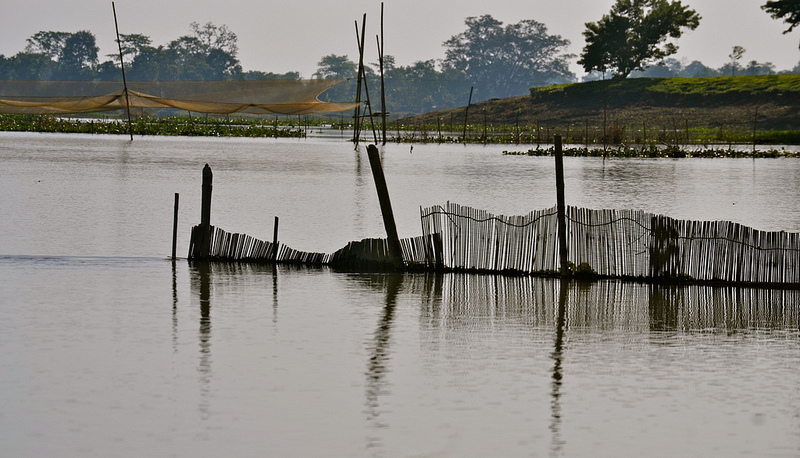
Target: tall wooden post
(205, 213)
(395, 252)
(561, 208)
(175, 228)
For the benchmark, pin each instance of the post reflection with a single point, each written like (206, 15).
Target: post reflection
(557, 443)
(201, 282)
(378, 364)
(174, 308)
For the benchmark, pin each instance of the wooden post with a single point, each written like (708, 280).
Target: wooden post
(175, 228)
(395, 252)
(561, 208)
(466, 113)
(205, 213)
(274, 254)
(755, 122)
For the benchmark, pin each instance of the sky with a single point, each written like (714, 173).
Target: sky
(292, 35)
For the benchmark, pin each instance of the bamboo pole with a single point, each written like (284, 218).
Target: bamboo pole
(122, 66)
(357, 114)
(383, 89)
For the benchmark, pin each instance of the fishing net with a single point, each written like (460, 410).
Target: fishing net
(287, 97)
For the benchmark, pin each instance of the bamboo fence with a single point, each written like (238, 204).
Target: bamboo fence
(626, 244)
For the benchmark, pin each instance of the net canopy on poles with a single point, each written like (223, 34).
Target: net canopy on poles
(288, 97)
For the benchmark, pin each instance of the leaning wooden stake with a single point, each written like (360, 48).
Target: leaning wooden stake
(395, 251)
(561, 208)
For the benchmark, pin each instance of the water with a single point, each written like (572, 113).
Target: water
(107, 348)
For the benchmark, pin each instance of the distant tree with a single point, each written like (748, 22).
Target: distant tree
(108, 71)
(222, 65)
(696, 69)
(258, 75)
(213, 37)
(334, 67)
(506, 61)
(78, 57)
(757, 68)
(132, 45)
(48, 43)
(788, 10)
(634, 34)
(31, 66)
(735, 55)
(667, 68)
(5, 68)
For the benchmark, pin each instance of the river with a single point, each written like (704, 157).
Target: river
(108, 348)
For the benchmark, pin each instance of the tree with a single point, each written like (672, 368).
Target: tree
(788, 10)
(212, 37)
(506, 61)
(48, 43)
(132, 45)
(78, 56)
(735, 55)
(634, 34)
(334, 67)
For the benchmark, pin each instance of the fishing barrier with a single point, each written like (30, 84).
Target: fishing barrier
(628, 244)
(364, 255)
(226, 246)
(608, 243)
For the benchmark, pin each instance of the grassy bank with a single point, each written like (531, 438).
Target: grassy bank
(663, 111)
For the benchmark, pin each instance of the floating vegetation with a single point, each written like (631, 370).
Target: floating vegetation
(160, 125)
(653, 151)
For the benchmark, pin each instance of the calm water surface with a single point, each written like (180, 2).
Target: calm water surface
(109, 349)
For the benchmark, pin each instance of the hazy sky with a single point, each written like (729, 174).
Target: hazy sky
(292, 35)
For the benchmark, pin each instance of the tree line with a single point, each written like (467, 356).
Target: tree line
(488, 59)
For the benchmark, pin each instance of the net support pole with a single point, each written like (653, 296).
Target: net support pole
(395, 251)
(561, 208)
(383, 88)
(122, 66)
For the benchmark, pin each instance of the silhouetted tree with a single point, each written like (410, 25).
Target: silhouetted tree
(505, 61)
(735, 55)
(78, 57)
(634, 34)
